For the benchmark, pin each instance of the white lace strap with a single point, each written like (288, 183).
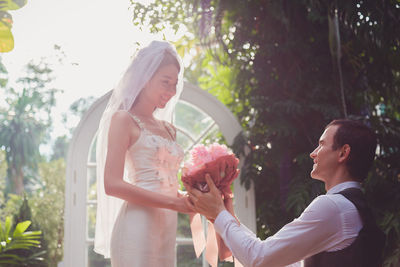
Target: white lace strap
(137, 120)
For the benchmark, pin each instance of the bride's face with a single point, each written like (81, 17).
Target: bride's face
(162, 86)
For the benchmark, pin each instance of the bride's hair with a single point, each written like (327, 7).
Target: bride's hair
(169, 59)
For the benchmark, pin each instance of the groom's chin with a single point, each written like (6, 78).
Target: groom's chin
(314, 175)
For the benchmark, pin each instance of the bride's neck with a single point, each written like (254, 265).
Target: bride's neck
(143, 109)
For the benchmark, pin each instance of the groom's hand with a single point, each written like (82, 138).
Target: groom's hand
(209, 204)
(223, 168)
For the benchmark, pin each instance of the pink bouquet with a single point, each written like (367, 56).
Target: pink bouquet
(216, 160)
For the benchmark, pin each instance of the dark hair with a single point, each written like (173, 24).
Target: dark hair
(362, 142)
(168, 59)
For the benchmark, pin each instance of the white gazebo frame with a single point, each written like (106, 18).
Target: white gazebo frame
(75, 221)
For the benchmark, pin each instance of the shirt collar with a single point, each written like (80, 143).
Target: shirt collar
(342, 186)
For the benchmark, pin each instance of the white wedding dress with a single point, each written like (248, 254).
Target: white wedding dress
(144, 236)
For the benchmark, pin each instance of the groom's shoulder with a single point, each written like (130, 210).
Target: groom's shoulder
(323, 202)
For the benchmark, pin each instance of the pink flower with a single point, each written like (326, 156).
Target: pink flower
(200, 155)
(216, 150)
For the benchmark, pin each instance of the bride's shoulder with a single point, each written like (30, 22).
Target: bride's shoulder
(122, 126)
(122, 118)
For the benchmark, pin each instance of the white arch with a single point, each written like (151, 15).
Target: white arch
(76, 173)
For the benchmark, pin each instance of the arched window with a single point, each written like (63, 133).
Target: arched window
(199, 116)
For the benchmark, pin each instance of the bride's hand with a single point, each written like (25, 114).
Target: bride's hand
(181, 204)
(182, 194)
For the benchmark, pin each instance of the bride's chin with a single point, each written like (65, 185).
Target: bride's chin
(162, 105)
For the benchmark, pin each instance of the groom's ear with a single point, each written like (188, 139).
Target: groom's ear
(344, 153)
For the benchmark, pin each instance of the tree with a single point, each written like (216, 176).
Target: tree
(24, 121)
(60, 148)
(292, 74)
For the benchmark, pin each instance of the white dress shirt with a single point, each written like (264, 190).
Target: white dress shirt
(329, 223)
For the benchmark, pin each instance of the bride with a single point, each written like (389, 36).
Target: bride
(138, 160)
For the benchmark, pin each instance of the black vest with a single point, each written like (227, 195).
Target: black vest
(367, 248)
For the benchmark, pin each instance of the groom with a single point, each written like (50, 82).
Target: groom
(336, 229)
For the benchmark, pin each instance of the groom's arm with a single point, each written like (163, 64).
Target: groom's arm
(288, 246)
(317, 229)
(249, 249)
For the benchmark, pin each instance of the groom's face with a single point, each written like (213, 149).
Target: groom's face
(325, 158)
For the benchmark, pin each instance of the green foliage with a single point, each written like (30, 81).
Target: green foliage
(14, 240)
(80, 106)
(25, 214)
(60, 148)
(47, 205)
(218, 79)
(10, 206)
(6, 37)
(281, 63)
(45, 208)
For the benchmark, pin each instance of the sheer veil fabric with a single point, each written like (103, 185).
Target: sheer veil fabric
(139, 72)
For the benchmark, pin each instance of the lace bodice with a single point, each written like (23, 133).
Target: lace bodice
(153, 161)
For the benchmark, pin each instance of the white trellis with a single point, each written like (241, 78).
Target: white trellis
(75, 231)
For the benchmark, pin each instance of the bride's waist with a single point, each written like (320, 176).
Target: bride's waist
(156, 183)
(159, 174)
(159, 188)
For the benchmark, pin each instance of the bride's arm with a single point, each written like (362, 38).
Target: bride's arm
(124, 132)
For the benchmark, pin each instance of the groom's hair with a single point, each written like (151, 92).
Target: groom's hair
(362, 141)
